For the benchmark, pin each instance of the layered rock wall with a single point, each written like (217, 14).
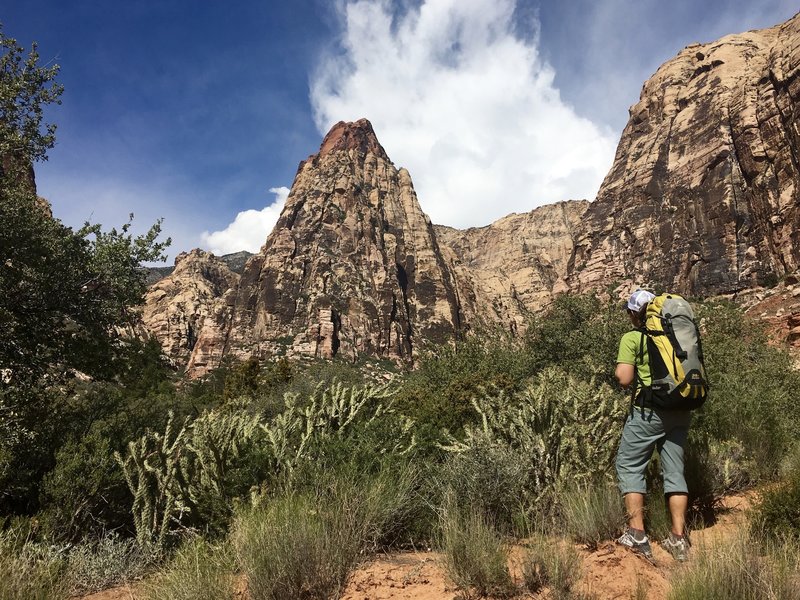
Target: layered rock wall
(703, 194)
(189, 312)
(511, 269)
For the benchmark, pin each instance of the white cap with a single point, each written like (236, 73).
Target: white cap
(639, 299)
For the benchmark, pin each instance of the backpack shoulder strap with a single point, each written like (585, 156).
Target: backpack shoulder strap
(638, 382)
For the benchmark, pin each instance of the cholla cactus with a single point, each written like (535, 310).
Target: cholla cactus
(335, 411)
(216, 440)
(564, 429)
(169, 474)
(150, 469)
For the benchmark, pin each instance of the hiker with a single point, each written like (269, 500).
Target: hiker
(648, 427)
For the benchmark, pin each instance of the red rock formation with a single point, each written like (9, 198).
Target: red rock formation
(702, 199)
(189, 311)
(352, 266)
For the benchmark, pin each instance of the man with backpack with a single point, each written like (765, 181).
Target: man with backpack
(661, 360)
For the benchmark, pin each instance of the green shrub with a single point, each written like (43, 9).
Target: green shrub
(293, 547)
(110, 561)
(198, 571)
(741, 569)
(85, 493)
(592, 514)
(777, 514)
(751, 399)
(438, 394)
(580, 333)
(714, 469)
(475, 557)
(551, 564)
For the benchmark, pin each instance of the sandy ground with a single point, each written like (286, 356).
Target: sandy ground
(610, 572)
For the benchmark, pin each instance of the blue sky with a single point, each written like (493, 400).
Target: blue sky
(199, 112)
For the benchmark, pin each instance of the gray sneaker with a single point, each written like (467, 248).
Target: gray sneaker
(677, 547)
(638, 546)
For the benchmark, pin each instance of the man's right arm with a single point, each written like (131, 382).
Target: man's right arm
(625, 374)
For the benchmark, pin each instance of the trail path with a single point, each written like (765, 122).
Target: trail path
(610, 573)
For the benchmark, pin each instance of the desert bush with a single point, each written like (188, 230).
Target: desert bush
(385, 505)
(94, 566)
(198, 571)
(743, 568)
(382, 499)
(30, 571)
(552, 564)
(777, 514)
(293, 547)
(750, 399)
(304, 542)
(475, 556)
(592, 514)
(562, 430)
(490, 477)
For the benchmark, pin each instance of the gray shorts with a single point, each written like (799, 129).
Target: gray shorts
(664, 430)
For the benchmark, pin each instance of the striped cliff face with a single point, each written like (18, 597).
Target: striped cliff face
(704, 194)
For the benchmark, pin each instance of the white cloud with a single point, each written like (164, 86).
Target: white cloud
(465, 104)
(249, 229)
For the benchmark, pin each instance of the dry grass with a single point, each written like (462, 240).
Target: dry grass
(30, 571)
(593, 514)
(551, 564)
(475, 556)
(744, 568)
(198, 571)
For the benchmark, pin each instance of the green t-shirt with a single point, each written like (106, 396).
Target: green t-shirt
(629, 347)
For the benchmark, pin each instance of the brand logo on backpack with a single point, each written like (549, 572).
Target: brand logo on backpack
(675, 354)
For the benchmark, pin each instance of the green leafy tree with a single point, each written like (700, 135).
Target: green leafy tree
(65, 296)
(580, 333)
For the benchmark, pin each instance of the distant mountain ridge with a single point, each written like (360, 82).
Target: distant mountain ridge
(234, 260)
(702, 199)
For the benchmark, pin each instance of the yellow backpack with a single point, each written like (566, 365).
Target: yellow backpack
(675, 352)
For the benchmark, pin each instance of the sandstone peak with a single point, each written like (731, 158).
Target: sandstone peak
(193, 255)
(356, 135)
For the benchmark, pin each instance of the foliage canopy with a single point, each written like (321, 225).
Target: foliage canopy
(66, 296)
